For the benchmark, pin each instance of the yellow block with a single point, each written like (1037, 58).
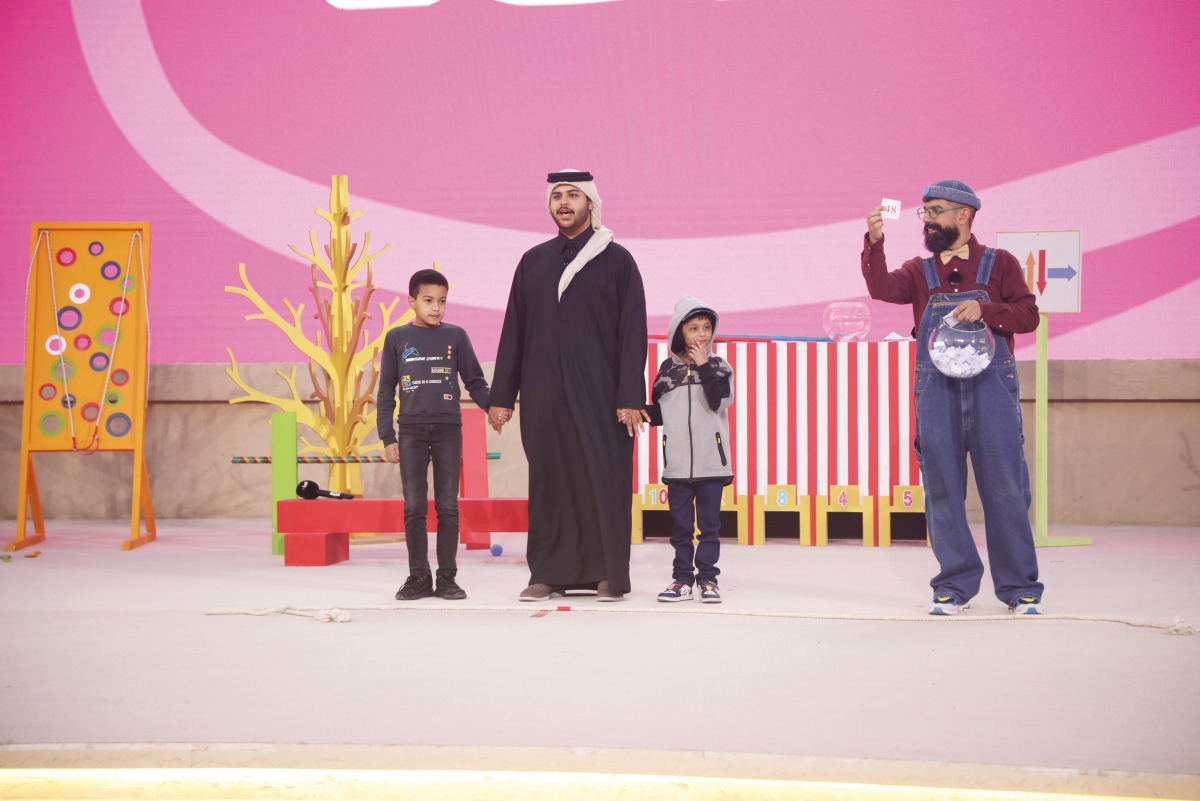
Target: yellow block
(905, 499)
(844, 498)
(635, 532)
(654, 498)
(782, 498)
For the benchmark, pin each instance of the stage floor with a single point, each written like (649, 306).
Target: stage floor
(819, 665)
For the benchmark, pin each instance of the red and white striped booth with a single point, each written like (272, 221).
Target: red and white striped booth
(816, 427)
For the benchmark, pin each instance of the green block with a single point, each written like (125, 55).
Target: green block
(284, 471)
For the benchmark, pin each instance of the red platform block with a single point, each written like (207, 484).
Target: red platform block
(477, 519)
(309, 549)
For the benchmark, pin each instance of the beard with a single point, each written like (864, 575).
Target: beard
(938, 238)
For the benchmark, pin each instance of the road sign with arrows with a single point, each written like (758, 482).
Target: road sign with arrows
(1052, 262)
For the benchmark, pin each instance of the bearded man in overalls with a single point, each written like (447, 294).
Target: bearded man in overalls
(980, 416)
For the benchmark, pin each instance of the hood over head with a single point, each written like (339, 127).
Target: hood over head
(686, 308)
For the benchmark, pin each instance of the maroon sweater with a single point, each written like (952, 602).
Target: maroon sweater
(1011, 308)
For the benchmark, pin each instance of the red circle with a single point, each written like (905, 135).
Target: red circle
(83, 342)
(118, 306)
(47, 391)
(66, 257)
(120, 377)
(90, 412)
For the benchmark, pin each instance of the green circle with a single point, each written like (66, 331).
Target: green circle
(113, 398)
(62, 369)
(107, 342)
(52, 423)
(128, 283)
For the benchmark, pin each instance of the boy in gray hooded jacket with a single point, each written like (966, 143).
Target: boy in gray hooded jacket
(690, 400)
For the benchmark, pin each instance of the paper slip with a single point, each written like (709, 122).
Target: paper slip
(891, 209)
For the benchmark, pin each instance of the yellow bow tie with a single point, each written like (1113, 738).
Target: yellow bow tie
(947, 255)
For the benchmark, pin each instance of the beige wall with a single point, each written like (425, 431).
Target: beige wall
(1124, 448)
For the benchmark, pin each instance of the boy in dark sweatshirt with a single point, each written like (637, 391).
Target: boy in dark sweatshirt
(690, 400)
(425, 359)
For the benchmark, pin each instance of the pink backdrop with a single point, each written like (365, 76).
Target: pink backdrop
(737, 146)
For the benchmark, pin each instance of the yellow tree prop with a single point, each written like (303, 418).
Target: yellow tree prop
(337, 364)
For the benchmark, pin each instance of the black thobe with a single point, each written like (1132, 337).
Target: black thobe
(574, 362)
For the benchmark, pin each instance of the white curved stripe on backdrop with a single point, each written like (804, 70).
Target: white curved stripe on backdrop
(268, 206)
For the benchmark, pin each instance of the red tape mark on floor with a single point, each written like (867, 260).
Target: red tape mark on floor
(544, 612)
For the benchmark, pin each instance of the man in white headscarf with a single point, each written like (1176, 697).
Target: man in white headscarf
(573, 346)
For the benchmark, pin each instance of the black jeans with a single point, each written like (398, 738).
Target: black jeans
(695, 504)
(420, 443)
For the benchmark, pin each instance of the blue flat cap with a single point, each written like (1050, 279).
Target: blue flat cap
(955, 191)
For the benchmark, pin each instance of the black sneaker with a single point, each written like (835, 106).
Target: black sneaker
(447, 589)
(416, 586)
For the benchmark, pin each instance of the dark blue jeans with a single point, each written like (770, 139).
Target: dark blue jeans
(419, 444)
(695, 504)
(980, 417)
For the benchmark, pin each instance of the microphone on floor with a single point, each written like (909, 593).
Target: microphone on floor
(309, 490)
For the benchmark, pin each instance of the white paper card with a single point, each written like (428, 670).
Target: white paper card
(891, 209)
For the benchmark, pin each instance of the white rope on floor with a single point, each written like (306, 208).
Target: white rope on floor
(342, 614)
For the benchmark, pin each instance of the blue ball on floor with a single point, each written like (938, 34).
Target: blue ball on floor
(497, 549)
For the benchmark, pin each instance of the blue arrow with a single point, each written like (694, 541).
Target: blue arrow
(1067, 272)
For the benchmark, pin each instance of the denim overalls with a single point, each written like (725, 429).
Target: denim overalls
(980, 416)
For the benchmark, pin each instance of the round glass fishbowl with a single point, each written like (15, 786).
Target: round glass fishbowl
(961, 350)
(846, 321)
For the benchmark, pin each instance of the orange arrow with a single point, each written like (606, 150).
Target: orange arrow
(1029, 264)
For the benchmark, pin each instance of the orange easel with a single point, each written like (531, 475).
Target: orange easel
(86, 357)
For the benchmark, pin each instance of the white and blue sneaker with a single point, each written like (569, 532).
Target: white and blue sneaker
(1026, 605)
(946, 605)
(709, 594)
(678, 591)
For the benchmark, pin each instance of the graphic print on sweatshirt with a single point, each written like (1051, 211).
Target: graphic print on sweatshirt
(438, 374)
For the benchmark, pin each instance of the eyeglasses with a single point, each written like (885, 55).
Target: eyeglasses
(930, 212)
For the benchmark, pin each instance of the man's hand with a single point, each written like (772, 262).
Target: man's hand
(497, 417)
(392, 452)
(634, 419)
(968, 311)
(875, 224)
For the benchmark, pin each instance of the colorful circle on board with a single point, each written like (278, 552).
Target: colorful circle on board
(51, 423)
(80, 293)
(118, 425)
(113, 398)
(96, 248)
(128, 283)
(56, 345)
(66, 257)
(118, 306)
(47, 392)
(69, 318)
(63, 369)
(110, 270)
(83, 342)
(107, 336)
(90, 412)
(120, 377)
(68, 401)
(98, 362)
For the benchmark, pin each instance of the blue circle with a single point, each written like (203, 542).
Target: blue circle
(69, 318)
(110, 270)
(98, 362)
(118, 424)
(497, 549)
(67, 401)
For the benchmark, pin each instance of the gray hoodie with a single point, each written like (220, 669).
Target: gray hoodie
(691, 403)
